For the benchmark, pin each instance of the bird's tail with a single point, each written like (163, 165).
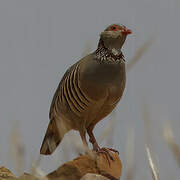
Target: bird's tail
(53, 137)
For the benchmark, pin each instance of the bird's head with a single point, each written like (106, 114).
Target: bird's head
(114, 36)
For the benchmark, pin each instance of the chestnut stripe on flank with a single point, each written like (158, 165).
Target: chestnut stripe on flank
(71, 97)
(70, 102)
(74, 92)
(67, 99)
(78, 91)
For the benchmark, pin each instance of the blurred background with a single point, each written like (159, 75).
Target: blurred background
(40, 39)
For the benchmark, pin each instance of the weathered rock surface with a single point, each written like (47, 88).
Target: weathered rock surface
(97, 164)
(6, 174)
(90, 176)
(86, 167)
(27, 176)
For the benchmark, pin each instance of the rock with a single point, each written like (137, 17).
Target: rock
(96, 164)
(27, 176)
(86, 167)
(90, 176)
(6, 174)
(115, 167)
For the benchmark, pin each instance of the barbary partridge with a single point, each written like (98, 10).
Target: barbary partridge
(89, 90)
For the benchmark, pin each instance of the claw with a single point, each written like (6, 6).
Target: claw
(106, 152)
(113, 150)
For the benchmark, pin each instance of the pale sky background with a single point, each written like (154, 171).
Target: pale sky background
(40, 39)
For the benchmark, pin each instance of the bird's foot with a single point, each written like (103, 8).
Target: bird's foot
(113, 150)
(105, 151)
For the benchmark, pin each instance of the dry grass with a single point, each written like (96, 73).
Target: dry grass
(17, 149)
(130, 155)
(154, 170)
(170, 140)
(140, 52)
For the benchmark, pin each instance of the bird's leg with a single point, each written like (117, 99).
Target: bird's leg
(83, 137)
(92, 139)
(96, 147)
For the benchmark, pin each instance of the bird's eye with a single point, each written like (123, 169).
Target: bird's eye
(114, 28)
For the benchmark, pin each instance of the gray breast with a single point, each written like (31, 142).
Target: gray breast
(97, 77)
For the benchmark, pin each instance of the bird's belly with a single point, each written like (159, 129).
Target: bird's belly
(104, 91)
(115, 92)
(106, 105)
(99, 113)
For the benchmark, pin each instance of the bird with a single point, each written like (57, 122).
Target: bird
(89, 91)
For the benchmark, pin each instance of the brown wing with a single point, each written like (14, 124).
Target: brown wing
(69, 93)
(58, 91)
(54, 134)
(67, 96)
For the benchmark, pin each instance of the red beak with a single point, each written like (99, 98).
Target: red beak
(126, 31)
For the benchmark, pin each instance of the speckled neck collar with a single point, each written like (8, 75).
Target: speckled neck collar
(105, 54)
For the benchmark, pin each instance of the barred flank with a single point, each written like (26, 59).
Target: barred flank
(72, 93)
(68, 93)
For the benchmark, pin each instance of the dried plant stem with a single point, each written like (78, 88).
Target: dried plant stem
(169, 137)
(130, 155)
(17, 149)
(148, 135)
(139, 54)
(154, 171)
